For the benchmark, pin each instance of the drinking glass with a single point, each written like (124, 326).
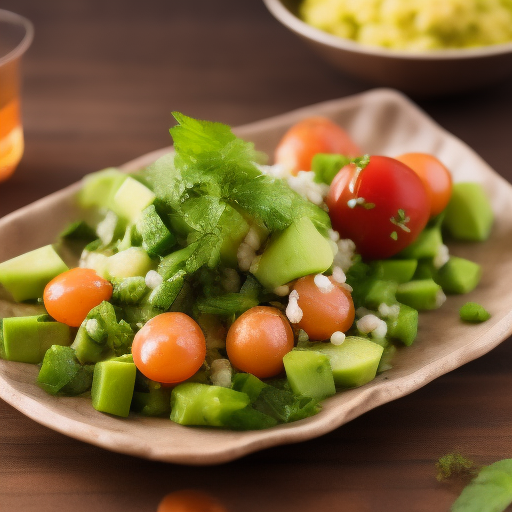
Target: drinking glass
(16, 34)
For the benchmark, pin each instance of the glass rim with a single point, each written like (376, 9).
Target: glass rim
(22, 46)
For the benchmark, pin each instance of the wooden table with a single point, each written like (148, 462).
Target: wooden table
(100, 82)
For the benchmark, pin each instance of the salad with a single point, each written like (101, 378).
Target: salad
(219, 291)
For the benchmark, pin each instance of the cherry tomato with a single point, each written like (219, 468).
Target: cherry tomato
(190, 501)
(71, 295)
(311, 136)
(258, 340)
(170, 348)
(323, 312)
(382, 206)
(435, 176)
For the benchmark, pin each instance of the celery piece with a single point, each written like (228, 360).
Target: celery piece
(399, 271)
(62, 373)
(112, 387)
(474, 313)
(163, 296)
(27, 338)
(458, 275)
(172, 263)
(25, 276)
(129, 290)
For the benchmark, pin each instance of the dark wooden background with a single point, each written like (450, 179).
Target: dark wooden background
(100, 82)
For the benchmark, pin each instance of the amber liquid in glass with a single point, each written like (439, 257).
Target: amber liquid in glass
(11, 131)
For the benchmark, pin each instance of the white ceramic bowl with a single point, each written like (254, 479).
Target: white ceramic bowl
(430, 73)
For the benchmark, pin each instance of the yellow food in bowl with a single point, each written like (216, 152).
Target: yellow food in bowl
(413, 24)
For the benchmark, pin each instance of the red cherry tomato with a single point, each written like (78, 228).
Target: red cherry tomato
(311, 136)
(190, 501)
(323, 312)
(382, 207)
(435, 176)
(258, 340)
(71, 295)
(170, 348)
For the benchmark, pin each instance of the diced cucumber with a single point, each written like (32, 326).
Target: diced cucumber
(380, 292)
(425, 246)
(458, 275)
(422, 294)
(469, 215)
(131, 198)
(131, 262)
(399, 271)
(27, 338)
(62, 373)
(404, 327)
(112, 387)
(354, 362)
(309, 374)
(202, 404)
(98, 189)
(297, 251)
(26, 276)
(156, 237)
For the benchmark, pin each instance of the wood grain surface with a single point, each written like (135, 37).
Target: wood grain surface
(100, 82)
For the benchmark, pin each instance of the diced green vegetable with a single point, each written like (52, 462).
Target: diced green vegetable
(422, 294)
(156, 237)
(155, 402)
(399, 271)
(458, 275)
(129, 290)
(404, 327)
(469, 215)
(112, 387)
(164, 295)
(425, 246)
(129, 263)
(474, 313)
(326, 166)
(25, 276)
(79, 230)
(131, 198)
(98, 189)
(380, 292)
(27, 338)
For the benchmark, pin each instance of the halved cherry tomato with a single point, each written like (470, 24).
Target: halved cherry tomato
(435, 176)
(71, 295)
(190, 501)
(382, 207)
(311, 136)
(323, 312)
(258, 340)
(170, 348)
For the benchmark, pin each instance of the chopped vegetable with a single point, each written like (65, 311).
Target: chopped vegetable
(474, 313)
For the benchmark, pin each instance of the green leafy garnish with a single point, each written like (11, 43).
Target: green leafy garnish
(454, 464)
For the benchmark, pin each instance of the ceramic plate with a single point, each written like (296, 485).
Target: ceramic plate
(382, 122)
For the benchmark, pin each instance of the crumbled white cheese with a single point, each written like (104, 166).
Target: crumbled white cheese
(221, 373)
(305, 185)
(389, 311)
(346, 252)
(153, 279)
(282, 291)
(293, 311)
(337, 337)
(323, 283)
(338, 275)
(371, 324)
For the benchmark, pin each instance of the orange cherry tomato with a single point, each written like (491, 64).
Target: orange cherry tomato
(71, 295)
(170, 348)
(323, 312)
(311, 136)
(436, 178)
(190, 501)
(258, 340)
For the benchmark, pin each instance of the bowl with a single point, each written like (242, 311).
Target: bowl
(420, 74)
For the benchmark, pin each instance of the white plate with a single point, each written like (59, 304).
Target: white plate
(382, 122)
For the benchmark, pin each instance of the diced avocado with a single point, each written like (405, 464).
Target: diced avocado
(309, 374)
(404, 327)
(354, 362)
(131, 198)
(62, 373)
(156, 237)
(469, 216)
(422, 294)
(202, 404)
(112, 387)
(425, 246)
(26, 276)
(27, 338)
(380, 292)
(297, 251)
(458, 275)
(98, 189)
(234, 228)
(399, 271)
(163, 296)
(131, 262)
(474, 313)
